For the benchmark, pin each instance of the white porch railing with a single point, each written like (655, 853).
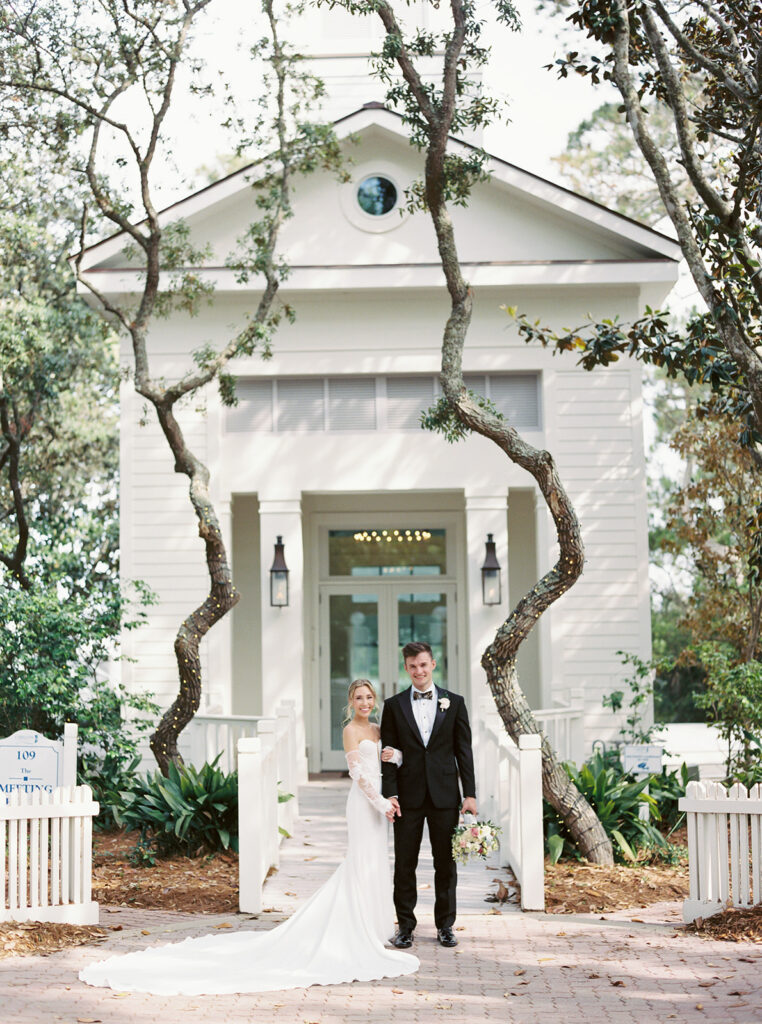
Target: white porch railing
(564, 726)
(46, 856)
(510, 794)
(267, 764)
(724, 847)
(212, 735)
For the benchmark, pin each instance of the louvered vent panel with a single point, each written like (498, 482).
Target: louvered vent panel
(517, 397)
(406, 398)
(352, 403)
(300, 404)
(255, 407)
(476, 382)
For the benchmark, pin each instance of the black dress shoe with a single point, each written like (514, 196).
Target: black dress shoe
(403, 940)
(445, 937)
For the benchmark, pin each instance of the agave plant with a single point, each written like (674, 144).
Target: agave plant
(191, 811)
(617, 800)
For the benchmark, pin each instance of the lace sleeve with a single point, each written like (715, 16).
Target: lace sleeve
(354, 763)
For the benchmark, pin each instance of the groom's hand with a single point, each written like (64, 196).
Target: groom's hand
(396, 812)
(469, 806)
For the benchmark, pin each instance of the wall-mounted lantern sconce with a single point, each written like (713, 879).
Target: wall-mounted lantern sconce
(491, 583)
(279, 577)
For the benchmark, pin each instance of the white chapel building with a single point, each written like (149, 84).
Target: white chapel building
(383, 524)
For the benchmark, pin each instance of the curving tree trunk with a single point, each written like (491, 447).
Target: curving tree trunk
(221, 598)
(435, 119)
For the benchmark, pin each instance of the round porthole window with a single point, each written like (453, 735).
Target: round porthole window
(376, 195)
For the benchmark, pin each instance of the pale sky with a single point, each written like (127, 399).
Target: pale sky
(542, 108)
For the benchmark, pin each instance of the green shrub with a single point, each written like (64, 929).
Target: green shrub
(50, 651)
(667, 788)
(192, 811)
(616, 799)
(733, 702)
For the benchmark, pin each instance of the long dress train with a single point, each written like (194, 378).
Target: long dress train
(337, 936)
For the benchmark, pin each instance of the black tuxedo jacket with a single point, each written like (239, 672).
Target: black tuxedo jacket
(431, 769)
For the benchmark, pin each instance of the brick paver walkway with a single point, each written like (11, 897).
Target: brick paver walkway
(510, 967)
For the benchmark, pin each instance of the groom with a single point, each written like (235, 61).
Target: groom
(430, 727)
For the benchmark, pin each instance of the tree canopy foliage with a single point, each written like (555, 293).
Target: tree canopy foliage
(702, 64)
(99, 80)
(58, 392)
(711, 521)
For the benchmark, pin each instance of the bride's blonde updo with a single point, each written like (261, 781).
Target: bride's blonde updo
(353, 686)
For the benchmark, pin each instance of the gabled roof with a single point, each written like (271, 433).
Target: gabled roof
(659, 247)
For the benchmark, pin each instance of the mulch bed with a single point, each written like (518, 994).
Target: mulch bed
(27, 938)
(199, 885)
(735, 924)
(572, 887)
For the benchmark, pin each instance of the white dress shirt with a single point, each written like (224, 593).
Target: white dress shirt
(424, 711)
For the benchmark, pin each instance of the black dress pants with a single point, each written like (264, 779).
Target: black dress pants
(408, 831)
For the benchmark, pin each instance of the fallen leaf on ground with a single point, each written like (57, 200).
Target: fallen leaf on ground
(519, 971)
(145, 931)
(502, 893)
(618, 984)
(224, 924)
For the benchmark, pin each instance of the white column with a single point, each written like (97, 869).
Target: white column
(546, 557)
(283, 628)
(484, 514)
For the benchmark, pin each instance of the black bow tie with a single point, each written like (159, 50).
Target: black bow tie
(417, 695)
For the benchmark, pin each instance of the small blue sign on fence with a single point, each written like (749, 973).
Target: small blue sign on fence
(642, 758)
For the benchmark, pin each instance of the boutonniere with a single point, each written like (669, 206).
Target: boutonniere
(444, 703)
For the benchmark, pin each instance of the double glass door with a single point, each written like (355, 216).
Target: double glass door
(363, 627)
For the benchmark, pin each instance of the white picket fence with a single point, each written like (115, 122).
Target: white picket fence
(267, 764)
(510, 795)
(724, 847)
(208, 736)
(564, 726)
(46, 844)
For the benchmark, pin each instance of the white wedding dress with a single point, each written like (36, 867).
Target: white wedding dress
(337, 936)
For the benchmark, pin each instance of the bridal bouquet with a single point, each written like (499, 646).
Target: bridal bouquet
(474, 840)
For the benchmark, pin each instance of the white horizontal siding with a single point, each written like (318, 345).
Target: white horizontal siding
(165, 549)
(599, 462)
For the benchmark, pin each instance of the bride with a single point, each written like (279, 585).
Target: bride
(337, 936)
